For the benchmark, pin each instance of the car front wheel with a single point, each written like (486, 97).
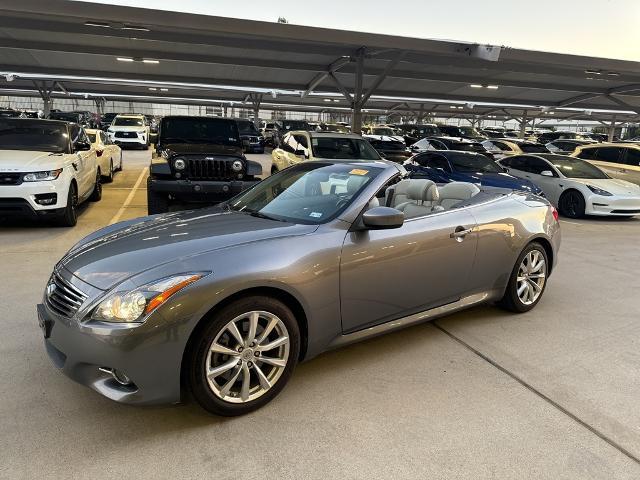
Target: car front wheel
(528, 280)
(572, 204)
(244, 356)
(96, 196)
(69, 215)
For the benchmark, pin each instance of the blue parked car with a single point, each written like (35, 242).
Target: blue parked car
(444, 166)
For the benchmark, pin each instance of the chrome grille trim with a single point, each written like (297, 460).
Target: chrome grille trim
(64, 298)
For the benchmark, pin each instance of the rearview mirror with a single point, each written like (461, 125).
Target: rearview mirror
(546, 173)
(380, 218)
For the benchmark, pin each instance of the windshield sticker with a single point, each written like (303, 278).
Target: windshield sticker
(315, 214)
(358, 171)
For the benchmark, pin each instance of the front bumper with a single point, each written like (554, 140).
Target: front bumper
(613, 206)
(200, 190)
(22, 200)
(149, 354)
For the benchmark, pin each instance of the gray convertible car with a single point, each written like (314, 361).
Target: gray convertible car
(224, 302)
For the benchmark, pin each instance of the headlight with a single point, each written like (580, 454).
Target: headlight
(132, 306)
(179, 164)
(599, 191)
(236, 166)
(42, 176)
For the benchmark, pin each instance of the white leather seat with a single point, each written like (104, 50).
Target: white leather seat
(455, 192)
(422, 199)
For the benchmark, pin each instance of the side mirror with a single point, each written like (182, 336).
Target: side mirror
(82, 146)
(381, 218)
(300, 153)
(546, 173)
(505, 169)
(153, 138)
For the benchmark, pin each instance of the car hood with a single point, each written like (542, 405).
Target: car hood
(503, 180)
(28, 161)
(127, 128)
(202, 148)
(119, 252)
(611, 185)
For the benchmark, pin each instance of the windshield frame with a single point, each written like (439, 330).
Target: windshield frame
(165, 137)
(475, 157)
(563, 173)
(305, 168)
(115, 123)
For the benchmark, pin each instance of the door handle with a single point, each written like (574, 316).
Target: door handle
(460, 233)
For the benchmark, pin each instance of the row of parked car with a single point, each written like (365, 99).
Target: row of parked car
(596, 179)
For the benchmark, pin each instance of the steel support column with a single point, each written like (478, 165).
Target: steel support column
(356, 106)
(612, 128)
(523, 124)
(45, 88)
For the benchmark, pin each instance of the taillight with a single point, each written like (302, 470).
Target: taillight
(99, 152)
(554, 212)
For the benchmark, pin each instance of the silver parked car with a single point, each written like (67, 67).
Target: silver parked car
(225, 301)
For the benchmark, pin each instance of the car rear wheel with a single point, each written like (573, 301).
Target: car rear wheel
(572, 204)
(69, 216)
(528, 280)
(109, 177)
(244, 356)
(96, 196)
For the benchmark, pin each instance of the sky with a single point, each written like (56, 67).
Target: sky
(601, 28)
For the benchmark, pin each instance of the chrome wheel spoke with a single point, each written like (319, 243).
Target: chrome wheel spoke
(521, 288)
(276, 362)
(217, 348)
(224, 391)
(219, 370)
(264, 381)
(270, 346)
(531, 277)
(267, 330)
(233, 329)
(246, 383)
(253, 326)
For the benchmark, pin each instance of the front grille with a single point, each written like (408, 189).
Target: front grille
(214, 169)
(10, 178)
(62, 297)
(126, 135)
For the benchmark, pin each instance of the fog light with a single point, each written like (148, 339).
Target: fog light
(46, 198)
(225, 188)
(197, 188)
(178, 175)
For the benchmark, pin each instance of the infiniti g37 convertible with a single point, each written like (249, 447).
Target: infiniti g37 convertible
(224, 302)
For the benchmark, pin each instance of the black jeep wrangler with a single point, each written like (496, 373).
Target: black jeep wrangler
(198, 160)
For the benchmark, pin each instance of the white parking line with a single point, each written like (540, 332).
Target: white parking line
(572, 223)
(127, 201)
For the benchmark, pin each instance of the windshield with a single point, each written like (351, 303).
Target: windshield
(199, 130)
(344, 148)
(533, 148)
(40, 136)
(383, 131)
(336, 128)
(127, 122)
(575, 168)
(247, 128)
(309, 193)
(474, 164)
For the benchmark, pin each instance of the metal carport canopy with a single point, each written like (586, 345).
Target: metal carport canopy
(200, 57)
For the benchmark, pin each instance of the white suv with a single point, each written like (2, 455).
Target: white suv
(47, 168)
(129, 130)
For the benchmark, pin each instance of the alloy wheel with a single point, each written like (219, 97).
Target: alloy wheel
(247, 357)
(532, 275)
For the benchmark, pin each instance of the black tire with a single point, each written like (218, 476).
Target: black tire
(511, 301)
(202, 339)
(96, 195)
(572, 204)
(69, 216)
(120, 166)
(156, 203)
(109, 178)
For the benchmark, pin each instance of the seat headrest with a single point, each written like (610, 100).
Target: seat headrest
(354, 183)
(459, 190)
(422, 190)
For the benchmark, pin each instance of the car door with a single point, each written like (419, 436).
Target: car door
(85, 176)
(550, 185)
(388, 274)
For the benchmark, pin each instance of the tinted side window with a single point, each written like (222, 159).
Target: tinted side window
(75, 132)
(537, 166)
(437, 161)
(502, 146)
(588, 153)
(302, 140)
(608, 154)
(632, 157)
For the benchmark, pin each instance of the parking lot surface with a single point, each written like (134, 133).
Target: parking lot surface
(481, 394)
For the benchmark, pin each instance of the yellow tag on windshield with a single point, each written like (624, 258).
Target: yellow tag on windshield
(358, 171)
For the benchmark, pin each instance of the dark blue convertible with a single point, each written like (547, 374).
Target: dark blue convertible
(444, 166)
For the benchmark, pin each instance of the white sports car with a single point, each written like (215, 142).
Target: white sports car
(576, 187)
